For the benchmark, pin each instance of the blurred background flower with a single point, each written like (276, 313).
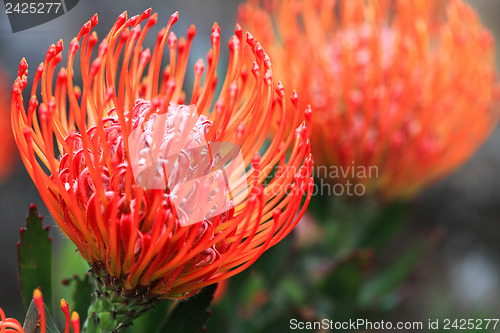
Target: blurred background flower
(404, 92)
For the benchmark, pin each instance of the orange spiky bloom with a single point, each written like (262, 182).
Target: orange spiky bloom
(13, 325)
(7, 147)
(133, 237)
(403, 91)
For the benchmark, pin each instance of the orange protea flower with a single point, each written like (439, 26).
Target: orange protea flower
(7, 148)
(139, 242)
(13, 325)
(402, 90)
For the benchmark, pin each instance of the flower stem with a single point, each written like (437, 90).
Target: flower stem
(112, 306)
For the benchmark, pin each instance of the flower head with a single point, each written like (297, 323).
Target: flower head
(128, 143)
(403, 87)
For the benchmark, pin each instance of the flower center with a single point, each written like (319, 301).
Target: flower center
(168, 161)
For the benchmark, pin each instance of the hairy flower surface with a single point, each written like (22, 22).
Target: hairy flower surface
(77, 146)
(402, 90)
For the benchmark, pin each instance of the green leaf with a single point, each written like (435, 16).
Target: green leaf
(385, 226)
(82, 295)
(190, 315)
(31, 320)
(344, 282)
(381, 287)
(77, 289)
(347, 276)
(51, 326)
(320, 206)
(253, 285)
(293, 290)
(34, 258)
(274, 263)
(151, 320)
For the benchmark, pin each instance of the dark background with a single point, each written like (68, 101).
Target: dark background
(460, 275)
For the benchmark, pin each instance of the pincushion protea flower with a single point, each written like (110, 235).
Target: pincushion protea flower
(133, 238)
(7, 148)
(13, 325)
(403, 87)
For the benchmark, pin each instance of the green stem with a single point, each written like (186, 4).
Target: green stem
(112, 306)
